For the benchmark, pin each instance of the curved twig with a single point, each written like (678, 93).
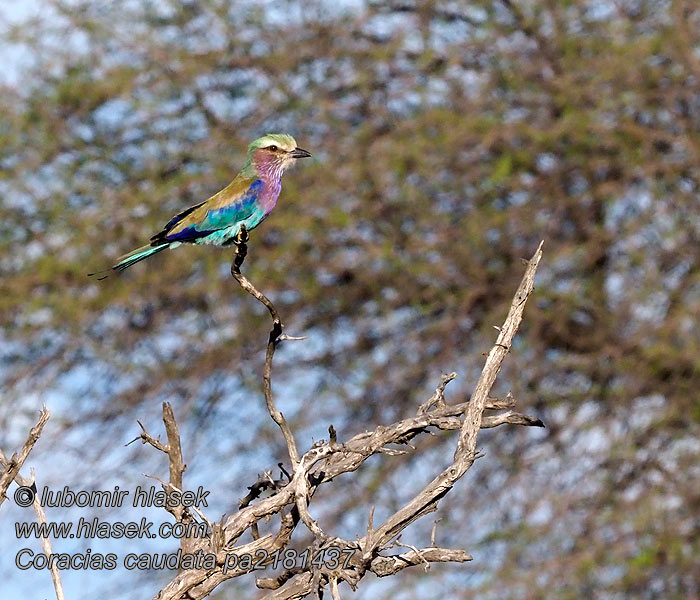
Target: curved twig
(275, 337)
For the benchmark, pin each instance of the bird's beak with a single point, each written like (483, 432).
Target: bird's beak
(300, 153)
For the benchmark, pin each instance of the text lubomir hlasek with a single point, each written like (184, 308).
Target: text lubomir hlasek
(141, 497)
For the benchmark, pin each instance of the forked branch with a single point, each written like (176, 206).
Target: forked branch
(326, 460)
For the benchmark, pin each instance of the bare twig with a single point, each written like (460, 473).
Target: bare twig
(465, 453)
(45, 541)
(500, 403)
(12, 472)
(301, 495)
(510, 417)
(433, 532)
(298, 587)
(12, 466)
(274, 339)
(335, 593)
(263, 482)
(273, 583)
(390, 565)
(417, 552)
(472, 420)
(147, 438)
(169, 486)
(438, 398)
(176, 467)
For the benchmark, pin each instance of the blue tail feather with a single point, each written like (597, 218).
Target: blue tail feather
(132, 258)
(137, 256)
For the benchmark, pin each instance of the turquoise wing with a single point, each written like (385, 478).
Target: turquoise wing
(225, 209)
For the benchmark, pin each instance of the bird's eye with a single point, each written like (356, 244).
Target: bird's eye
(272, 148)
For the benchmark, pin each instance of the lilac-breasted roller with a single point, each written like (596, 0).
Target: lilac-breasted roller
(246, 201)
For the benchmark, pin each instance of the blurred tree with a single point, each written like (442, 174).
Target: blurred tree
(449, 140)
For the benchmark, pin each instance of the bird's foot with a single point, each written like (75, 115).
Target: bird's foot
(242, 236)
(241, 249)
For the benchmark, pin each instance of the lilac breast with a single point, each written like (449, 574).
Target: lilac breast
(268, 197)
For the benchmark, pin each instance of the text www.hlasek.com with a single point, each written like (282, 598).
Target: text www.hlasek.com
(289, 558)
(91, 528)
(94, 528)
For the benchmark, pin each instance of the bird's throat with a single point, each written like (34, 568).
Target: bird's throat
(269, 171)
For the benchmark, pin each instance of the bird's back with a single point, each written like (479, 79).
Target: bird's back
(233, 204)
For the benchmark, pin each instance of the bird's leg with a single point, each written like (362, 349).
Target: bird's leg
(241, 249)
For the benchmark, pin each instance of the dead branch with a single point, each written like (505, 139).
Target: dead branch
(176, 467)
(382, 566)
(274, 339)
(45, 541)
(325, 460)
(12, 466)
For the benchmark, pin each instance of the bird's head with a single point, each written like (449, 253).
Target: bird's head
(273, 153)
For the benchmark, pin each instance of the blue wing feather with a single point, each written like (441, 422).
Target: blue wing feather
(216, 219)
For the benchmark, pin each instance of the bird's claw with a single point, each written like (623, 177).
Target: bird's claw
(242, 236)
(241, 249)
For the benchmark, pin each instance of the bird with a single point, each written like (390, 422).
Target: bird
(241, 206)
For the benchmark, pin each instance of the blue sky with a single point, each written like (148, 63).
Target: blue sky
(14, 58)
